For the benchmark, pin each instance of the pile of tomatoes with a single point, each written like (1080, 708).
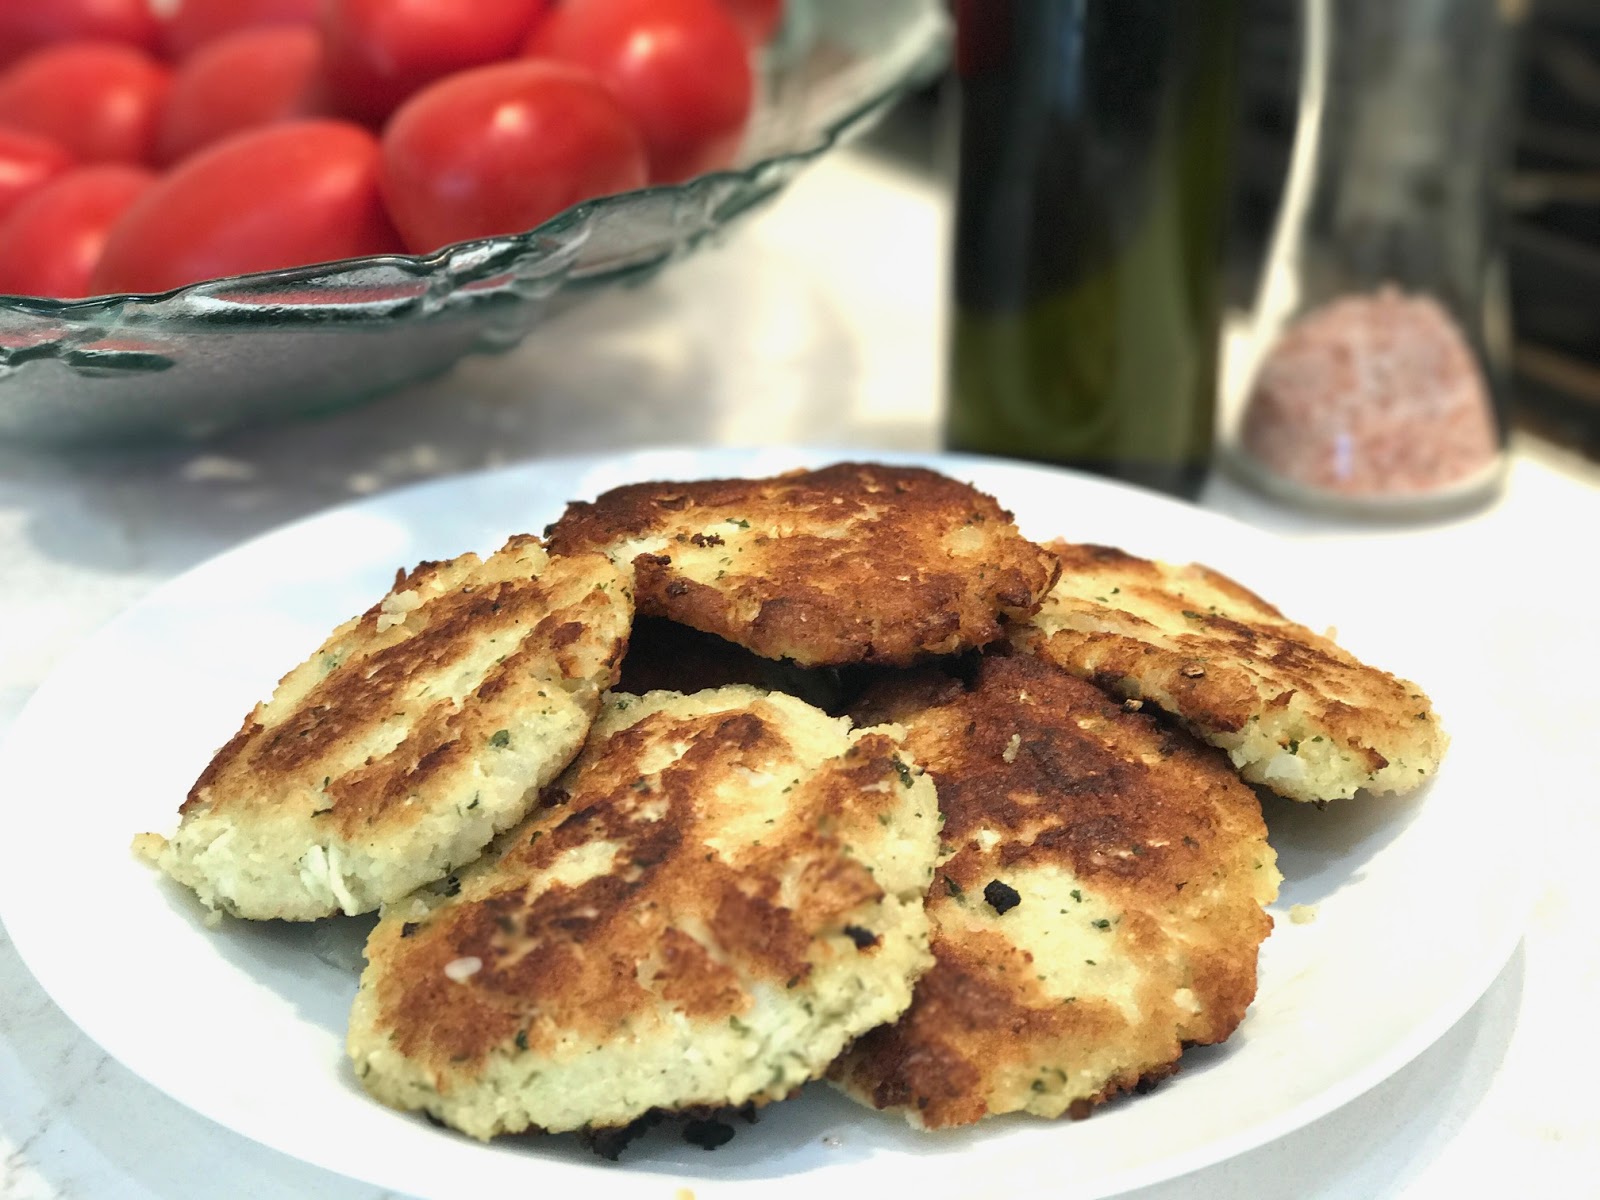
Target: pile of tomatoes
(148, 144)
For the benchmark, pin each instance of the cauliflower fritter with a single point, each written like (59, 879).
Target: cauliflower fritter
(852, 563)
(411, 737)
(1097, 906)
(721, 893)
(1295, 712)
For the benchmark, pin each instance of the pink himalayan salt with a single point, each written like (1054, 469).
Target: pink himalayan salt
(1372, 395)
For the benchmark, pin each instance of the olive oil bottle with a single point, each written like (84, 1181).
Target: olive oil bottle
(1091, 207)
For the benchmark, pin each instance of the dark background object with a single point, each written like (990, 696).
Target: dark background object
(1554, 239)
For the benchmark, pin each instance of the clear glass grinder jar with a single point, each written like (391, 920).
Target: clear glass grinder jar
(1381, 336)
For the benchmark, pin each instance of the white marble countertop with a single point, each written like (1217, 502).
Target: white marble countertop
(821, 322)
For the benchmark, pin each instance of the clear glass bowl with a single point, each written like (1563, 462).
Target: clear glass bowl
(250, 348)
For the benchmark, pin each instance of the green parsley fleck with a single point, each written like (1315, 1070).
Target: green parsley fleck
(1077, 895)
(501, 739)
(903, 771)
(952, 887)
(739, 521)
(1102, 923)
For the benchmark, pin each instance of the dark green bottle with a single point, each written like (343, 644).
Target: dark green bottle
(1091, 206)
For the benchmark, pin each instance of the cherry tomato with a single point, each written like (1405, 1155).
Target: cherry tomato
(27, 163)
(501, 148)
(100, 100)
(758, 18)
(257, 77)
(681, 67)
(382, 51)
(282, 196)
(194, 23)
(28, 25)
(50, 243)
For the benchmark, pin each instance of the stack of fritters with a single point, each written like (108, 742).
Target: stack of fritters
(730, 892)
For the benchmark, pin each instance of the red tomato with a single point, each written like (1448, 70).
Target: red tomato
(193, 23)
(681, 67)
(382, 51)
(27, 25)
(502, 148)
(283, 196)
(27, 163)
(50, 243)
(257, 77)
(99, 100)
(758, 18)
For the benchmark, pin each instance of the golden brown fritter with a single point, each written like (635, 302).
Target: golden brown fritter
(720, 893)
(852, 563)
(1098, 905)
(411, 737)
(1295, 712)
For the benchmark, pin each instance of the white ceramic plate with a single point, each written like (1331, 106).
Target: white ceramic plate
(245, 1024)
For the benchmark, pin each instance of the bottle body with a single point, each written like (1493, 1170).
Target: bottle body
(1091, 205)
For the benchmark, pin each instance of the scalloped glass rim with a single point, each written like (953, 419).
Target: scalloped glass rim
(549, 255)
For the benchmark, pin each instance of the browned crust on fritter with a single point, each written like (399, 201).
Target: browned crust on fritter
(376, 670)
(1218, 695)
(1140, 815)
(851, 563)
(576, 963)
(975, 1009)
(1234, 658)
